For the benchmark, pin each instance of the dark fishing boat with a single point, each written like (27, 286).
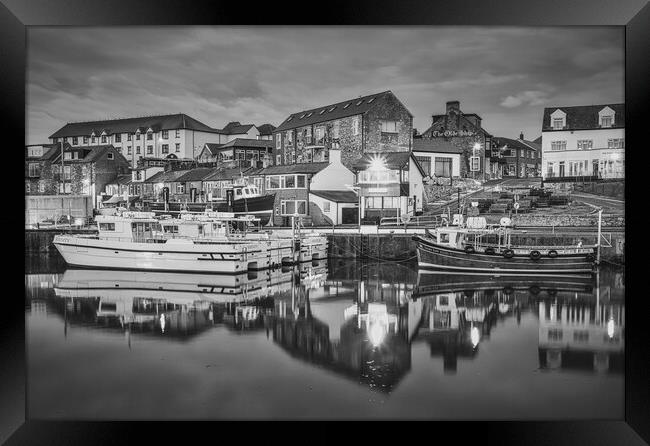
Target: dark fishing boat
(455, 248)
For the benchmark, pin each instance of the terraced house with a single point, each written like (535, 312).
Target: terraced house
(373, 123)
(164, 136)
(585, 141)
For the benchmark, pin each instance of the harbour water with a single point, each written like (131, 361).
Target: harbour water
(334, 339)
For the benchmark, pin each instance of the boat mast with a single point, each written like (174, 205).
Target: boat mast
(600, 219)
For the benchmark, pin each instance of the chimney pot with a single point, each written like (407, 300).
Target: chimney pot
(521, 136)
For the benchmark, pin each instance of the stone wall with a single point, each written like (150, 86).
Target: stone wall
(388, 108)
(568, 220)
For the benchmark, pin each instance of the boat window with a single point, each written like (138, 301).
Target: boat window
(247, 190)
(107, 226)
(200, 229)
(156, 227)
(238, 191)
(443, 237)
(171, 229)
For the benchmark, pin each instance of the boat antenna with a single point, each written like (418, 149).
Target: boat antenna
(600, 219)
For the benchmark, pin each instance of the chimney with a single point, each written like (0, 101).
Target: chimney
(521, 136)
(335, 156)
(453, 105)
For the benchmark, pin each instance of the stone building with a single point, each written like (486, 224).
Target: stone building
(377, 123)
(464, 130)
(33, 154)
(84, 171)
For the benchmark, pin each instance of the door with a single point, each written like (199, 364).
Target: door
(561, 169)
(349, 216)
(594, 165)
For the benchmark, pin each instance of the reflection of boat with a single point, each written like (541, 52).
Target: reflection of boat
(176, 287)
(475, 250)
(432, 282)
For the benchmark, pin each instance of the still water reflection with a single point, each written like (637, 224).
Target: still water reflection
(338, 340)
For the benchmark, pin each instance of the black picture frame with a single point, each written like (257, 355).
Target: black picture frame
(16, 15)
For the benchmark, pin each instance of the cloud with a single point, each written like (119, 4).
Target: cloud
(529, 97)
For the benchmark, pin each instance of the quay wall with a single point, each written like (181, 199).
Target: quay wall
(41, 207)
(393, 247)
(608, 221)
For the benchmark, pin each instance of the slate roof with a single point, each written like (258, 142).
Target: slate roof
(435, 145)
(236, 128)
(229, 173)
(213, 148)
(130, 125)
(91, 153)
(392, 160)
(330, 112)
(123, 179)
(246, 142)
(265, 129)
(308, 168)
(584, 117)
(337, 196)
(166, 177)
(198, 174)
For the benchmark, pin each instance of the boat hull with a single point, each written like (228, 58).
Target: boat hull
(224, 258)
(433, 256)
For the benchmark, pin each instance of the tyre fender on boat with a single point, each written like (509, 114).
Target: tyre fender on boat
(469, 249)
(590, 257)
(552, 253)
(535, 255)
(489, 250)
(508, 253)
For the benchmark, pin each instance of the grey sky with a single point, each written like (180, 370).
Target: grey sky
(262, 74)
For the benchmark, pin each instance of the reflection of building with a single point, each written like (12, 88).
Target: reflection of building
(581, 335)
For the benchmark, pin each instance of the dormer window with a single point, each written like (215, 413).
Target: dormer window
(606, 117)
(558, 119)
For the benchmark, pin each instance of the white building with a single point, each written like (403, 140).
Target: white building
(583, 141)
(174, 136)
(438, 157)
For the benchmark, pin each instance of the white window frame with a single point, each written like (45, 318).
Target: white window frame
(355, 126)
(558, 146)
(558, 123)
(475, 163)
(585, 144)
(388, 126)
(283, 207)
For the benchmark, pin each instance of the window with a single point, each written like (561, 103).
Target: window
(606, 121)
(585, 144)
(289, 137)
(93, 140)
(475, 163)
(165, 134)
(291, 207)
(554, 335)
(103, 139)
(521, 153)
(616, 143)
(180, 188)
(41, 187)
(278, 159)
(389, 126)
(558, 123)
(65, 139)
(347, 105)
(320, 133)
(326, 207)
(128, 137)
(355, 126)
(443, 167)
(290, 182)
(149, 150)
(107, 226)
(549, 169)
(85, 140)
(558, 145)
(301, 180)
(128, 150)
(110, 156)
(34, 169)
(382, 202)
(66, 172)
(335, 129)
(118, 137)
(67, 156)
(178, 133)
(137, 150)
(278, 141)
(149, 136)
(137, 137)
(172, 229)
(75, 140)
(165, 148)
(178, 147)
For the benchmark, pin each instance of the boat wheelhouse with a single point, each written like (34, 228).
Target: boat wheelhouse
(479, 248)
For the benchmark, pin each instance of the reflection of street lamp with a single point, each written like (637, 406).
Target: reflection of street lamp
(475, 336)
(610, 327)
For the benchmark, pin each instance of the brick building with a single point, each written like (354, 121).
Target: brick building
(377, 123)
(85, 170)
(464, 130)
(521, 158)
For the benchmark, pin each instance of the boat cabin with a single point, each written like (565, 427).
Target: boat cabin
(210, 225)
(248, 191)
(129, 226)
